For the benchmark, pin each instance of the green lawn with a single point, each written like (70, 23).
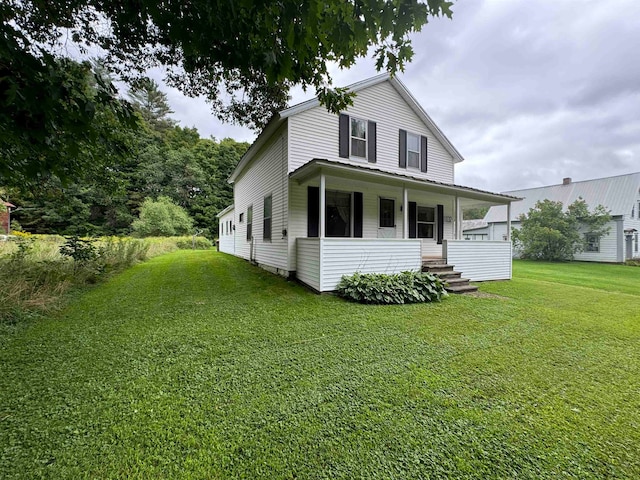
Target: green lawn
(196, 364)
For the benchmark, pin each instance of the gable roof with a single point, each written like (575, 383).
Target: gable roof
(279, 118)
(615, 193)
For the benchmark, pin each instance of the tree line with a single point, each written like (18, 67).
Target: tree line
(155, 158)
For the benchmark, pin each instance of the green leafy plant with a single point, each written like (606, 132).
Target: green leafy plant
(197, 243)
(80, 249)
(380, 288)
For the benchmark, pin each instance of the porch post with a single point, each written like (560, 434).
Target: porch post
(322, 204)
(405, 213)
(509, 221)
(458, 232)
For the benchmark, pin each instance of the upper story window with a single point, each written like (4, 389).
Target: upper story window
(413, 150)
(358, 138)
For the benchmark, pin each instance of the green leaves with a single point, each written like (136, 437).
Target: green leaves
(380, 288)
(244, 56)
(548, 232)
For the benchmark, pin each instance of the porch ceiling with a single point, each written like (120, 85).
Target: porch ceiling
(468, 196)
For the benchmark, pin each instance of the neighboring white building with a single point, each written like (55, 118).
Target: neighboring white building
(619, 194)
(383, 173)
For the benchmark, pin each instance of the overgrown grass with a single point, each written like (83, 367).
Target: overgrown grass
(34, 276)
(198, 365)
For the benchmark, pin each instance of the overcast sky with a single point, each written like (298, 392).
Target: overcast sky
(529, 91)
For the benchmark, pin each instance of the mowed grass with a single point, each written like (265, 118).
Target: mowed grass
(198, 365)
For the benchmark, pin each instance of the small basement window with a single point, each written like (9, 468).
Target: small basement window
(592, 242)
(241, 218)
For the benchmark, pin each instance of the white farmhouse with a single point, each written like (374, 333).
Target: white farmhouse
(619, 194)
(319, 195)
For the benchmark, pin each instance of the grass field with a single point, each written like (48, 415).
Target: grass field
(198, 365)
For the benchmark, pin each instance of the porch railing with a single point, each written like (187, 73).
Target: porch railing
(322, 262)
(480, 259)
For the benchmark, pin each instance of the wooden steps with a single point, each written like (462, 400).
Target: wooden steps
(454, 281)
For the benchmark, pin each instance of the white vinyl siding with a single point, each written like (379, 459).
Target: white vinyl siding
(266, 175)
(480, 260)
(226, 234)
(314, 134)
(308, 253)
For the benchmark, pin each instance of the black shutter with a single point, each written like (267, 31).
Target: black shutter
(413, 217)
(357, 214)
(423, 154)
(440, 220)
(343, 135)
(371, 142)
(402, 162)
(313, 212)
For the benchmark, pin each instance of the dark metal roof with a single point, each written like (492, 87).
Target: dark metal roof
(362, 168)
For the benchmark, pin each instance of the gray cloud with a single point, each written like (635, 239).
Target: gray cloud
(529, 91)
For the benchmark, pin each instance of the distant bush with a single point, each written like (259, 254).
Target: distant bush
(199, 243)
(379, 288)
(162, 218)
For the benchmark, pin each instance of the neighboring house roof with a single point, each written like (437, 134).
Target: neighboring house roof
(225, 211)
(617, 194)
(7, 204)
(279, 118)
(311, 168)
(468, 225)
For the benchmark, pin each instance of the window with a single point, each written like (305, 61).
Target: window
(241, 218)
(249, 222)
(426, 220)
(338, 214)
(387, 212)
(413, 150)
(592, 242)
(358, 138)
(266, 222)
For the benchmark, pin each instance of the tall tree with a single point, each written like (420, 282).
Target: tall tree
(152, 103)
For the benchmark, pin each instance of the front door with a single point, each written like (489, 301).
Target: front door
(386, 218)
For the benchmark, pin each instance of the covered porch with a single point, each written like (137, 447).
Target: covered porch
(346, 219)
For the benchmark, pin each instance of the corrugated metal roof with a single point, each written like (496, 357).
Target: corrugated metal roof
(615, 193)
(473, 224)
